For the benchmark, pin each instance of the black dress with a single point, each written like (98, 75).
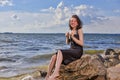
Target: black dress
(73, 53)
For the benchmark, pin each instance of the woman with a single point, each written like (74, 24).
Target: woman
(75, 39)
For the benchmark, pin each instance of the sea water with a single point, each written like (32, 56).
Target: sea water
(19, 51)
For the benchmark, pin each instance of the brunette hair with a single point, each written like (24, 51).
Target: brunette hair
(78, 21)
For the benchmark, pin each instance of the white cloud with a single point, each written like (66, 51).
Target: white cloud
(56, 20)
(117, 11)
(108, 26)
(25, 22)
(81, 7)
(6, 3)
(87, 13)
(60, 5)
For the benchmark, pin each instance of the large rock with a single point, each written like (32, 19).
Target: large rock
(89, 67)
(111, 57)
(113, 73)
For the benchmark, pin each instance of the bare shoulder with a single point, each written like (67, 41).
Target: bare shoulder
(80, 31)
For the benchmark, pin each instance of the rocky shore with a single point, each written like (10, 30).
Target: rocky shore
(99, 66)
(93, 67)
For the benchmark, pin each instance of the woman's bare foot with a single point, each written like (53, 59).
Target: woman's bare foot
(54, 76)
(51, 78)
(47, 77)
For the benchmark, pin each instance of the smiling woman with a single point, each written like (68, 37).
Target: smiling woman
(66, 56)
(21, 52)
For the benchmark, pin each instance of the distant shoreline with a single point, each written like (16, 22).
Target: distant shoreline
(59, 33)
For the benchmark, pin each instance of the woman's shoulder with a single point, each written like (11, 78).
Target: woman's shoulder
(79, 30)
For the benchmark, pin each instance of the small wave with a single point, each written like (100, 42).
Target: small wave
(90, 46)
(11, 58)
(41, 57)
(117, 42)
(35, 48)
(46, 56)
(7, 41)
(3, 67)
(7, 59)
(17, 57)
(103, 42)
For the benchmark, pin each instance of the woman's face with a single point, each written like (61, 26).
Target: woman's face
(73, 22)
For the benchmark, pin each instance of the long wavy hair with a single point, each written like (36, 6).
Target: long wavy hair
(78, 21)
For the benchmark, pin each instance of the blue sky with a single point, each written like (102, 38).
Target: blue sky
(52, 16)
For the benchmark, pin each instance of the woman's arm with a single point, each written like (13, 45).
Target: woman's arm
(80, 41)
(67, 38)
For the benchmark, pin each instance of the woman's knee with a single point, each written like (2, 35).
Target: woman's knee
(54, 57)
(59, 51)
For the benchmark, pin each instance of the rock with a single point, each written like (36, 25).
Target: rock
(111, 57)
(43, 73)
(109, 52)
(113, 73)
(87, 68)
(117, 52)
(93, 67)
(32, 76)
(28, 78)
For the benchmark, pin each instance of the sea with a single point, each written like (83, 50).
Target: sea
(22, 51)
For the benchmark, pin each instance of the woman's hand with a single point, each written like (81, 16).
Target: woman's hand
(80, 40)
(72, 34)
(67, 34)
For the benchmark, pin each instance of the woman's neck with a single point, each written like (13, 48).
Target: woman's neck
(74, 29)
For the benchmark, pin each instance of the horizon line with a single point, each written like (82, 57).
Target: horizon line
(48, 33)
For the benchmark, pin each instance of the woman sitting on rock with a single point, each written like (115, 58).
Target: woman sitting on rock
(65, 56)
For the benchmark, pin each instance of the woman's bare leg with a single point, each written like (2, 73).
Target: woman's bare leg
(51, 66)
(57, 65)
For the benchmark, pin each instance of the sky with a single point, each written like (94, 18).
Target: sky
(52, 16)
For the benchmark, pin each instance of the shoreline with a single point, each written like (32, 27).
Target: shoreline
(35, 73)
(44, 67)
